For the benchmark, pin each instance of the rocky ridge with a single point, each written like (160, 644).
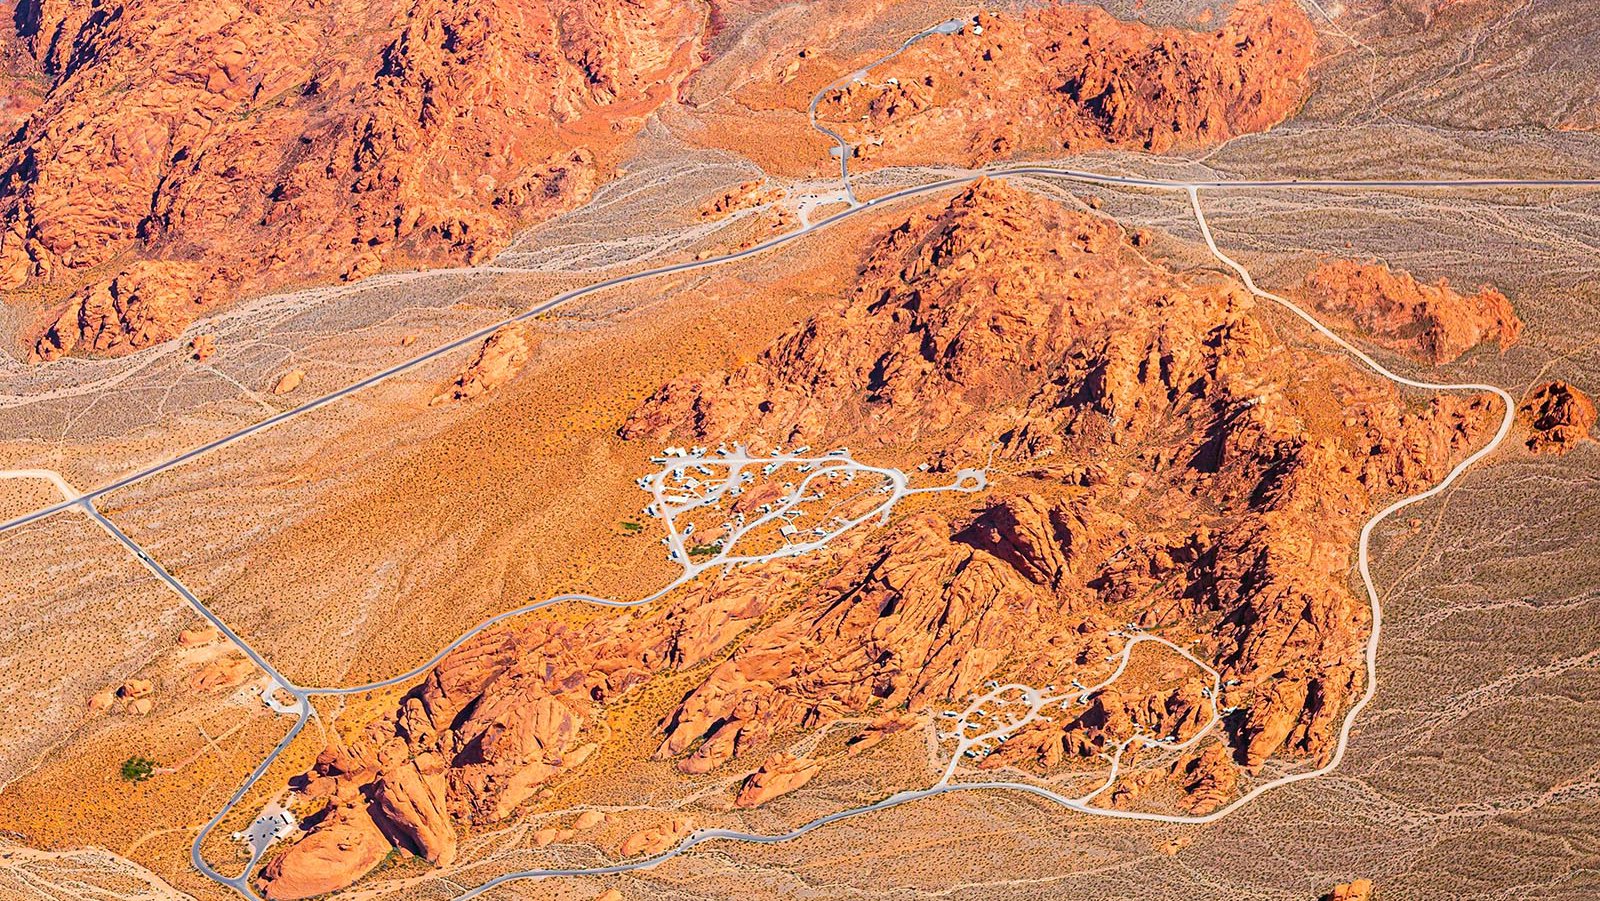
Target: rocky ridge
(501, 357)
(1433, 323)
(1160, 459)
(194, 151)
(1073, 77)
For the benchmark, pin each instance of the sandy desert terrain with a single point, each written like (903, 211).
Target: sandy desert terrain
(600, 449)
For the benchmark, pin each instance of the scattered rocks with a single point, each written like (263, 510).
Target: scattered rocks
(750, 194)
(1556, 417)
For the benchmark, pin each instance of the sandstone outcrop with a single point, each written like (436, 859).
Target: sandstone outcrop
(1434, 323)
(649, 842)
(147, 303)
(238, 139)
(340, 846)
(1001, 302)
(1167, 461)
(288, 382)
(747, 195)
(222, 674)
(410, 798)
(1355, 890)
(197, 635)
(779, 775)
(501, 357)
(1556, 417)
(203, 347)
(1072, 77)
(508, 712)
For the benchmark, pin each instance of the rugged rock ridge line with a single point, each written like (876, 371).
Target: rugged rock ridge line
(1161, 459)
(240, 146)
(1073, 77)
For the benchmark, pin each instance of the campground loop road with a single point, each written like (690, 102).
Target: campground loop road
(240, 883)
(302, 696)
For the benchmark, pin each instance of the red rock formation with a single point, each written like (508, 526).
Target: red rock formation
(410, 797)
(1355, 890)
(745, 196)
(1005, 319)
(1556, 417)
(500, 358)
(649, 842)
(203, 347)
(340, 847)
(288, 382)
(145, 304)
(1434, 323)
(1070, 76)
(222, 674)
(779, 775)
(1167, 461)
(1207, 777)
(240, 135)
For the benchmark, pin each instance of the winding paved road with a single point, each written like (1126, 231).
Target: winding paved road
(86, 501)
(771, 244)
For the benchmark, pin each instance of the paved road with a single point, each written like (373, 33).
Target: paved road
(1084, 804)
(948, 27)
(770, 244)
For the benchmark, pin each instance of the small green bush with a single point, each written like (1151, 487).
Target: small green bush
(138, 769)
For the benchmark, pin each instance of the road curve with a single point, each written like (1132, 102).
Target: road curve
(968, 176)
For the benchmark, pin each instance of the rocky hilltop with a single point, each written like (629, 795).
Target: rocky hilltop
(1072, 77)
(1159, 458)
(182, 152)
(1173, 476)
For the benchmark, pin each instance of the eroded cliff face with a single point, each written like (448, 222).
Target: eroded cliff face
(286, 140)
(1158, 457)
(1072, 77)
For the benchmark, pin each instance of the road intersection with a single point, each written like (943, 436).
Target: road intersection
(734, 466)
